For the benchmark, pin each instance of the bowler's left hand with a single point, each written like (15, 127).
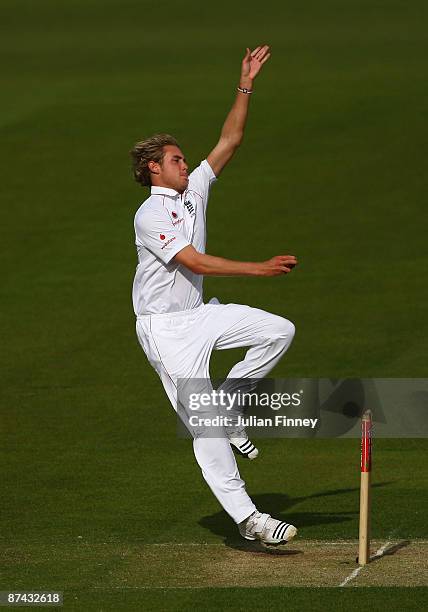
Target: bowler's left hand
(253, 62)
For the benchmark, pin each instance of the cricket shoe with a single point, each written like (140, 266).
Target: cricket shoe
(244, 447)
(268, 530)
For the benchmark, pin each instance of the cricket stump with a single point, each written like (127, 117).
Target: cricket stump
(366, 466)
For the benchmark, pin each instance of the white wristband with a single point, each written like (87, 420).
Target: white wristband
(245, 90)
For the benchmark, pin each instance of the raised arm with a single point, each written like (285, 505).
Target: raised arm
(233, 128)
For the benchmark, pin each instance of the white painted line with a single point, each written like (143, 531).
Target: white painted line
(351, 576)
(380, 552)
(354, 574)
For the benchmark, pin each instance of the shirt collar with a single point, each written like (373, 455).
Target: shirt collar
(164, 191)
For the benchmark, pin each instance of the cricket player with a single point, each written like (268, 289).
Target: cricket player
(175, 328)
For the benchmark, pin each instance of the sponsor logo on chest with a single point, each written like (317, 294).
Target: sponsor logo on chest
(175, 218)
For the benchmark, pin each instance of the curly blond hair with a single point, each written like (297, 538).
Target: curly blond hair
(150, 149)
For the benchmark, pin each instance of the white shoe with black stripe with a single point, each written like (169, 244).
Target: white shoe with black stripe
(244, 447)
(268, 530)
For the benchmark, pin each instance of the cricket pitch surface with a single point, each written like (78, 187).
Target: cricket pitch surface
(302, 563)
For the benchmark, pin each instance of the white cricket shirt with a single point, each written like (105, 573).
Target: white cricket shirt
(164, 224)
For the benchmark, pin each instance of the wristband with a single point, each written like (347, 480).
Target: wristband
(244, 90)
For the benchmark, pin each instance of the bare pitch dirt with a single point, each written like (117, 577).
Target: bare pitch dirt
(172, 565)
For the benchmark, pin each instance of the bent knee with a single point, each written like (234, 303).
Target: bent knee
(283, 329)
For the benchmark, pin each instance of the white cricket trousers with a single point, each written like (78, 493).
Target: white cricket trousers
(179, 346)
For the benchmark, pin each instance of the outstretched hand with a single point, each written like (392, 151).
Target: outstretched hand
(253, 61)
(281, 264)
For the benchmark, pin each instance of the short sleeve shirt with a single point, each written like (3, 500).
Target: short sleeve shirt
(164, 224)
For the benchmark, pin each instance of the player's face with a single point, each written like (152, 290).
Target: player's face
(173, 170)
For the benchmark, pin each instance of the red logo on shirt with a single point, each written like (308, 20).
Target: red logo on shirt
(174, 214)
(162, 237)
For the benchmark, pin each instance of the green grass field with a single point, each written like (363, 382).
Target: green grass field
(99, 497)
